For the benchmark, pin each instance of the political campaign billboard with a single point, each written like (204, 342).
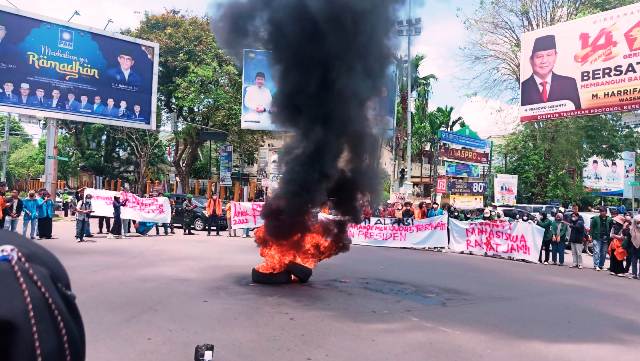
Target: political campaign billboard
(49, 68)
(505, 187)
(581, 67)
(259, 88)
(603, 176)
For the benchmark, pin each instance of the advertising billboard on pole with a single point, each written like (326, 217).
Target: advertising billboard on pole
(606, 177)
(259, 90)
(49, 68)
(226, 164)
(505, 189)
(585, 66)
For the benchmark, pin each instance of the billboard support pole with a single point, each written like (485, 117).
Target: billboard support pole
(51, 160)
(5, 147)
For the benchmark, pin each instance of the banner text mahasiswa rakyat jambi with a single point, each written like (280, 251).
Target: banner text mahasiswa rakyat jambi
(519, 240)
(582, 67)
(155, 209)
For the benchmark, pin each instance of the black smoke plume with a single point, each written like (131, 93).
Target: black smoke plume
(331, 57)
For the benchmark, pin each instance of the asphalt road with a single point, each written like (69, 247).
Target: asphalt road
(155, 298)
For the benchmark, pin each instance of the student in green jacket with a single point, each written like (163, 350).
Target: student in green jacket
(545, 223)
(558, 239)
(599, 232)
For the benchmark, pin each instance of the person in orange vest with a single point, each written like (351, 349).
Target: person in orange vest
(3, 203)
(214, 211)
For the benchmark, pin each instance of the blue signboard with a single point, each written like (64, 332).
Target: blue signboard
(454, 138)
(53, 69)
(226, 164)
(453, 169)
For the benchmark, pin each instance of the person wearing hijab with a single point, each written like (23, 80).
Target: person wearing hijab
(558, 239)
(634, 246)
(617, 253)
(116, 228)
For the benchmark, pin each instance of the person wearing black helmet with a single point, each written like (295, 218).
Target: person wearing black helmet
(39, 319)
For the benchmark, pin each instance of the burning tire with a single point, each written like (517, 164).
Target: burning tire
(302, 273)
(271, 278)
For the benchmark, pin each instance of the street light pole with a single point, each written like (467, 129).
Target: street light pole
(75, 12)
(409, 28)
(409, 138)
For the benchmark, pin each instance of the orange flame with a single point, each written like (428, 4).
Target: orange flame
(306, 249)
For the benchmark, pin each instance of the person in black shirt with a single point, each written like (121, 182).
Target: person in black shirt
(407, 214)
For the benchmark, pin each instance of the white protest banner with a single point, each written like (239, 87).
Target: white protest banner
(157, 209)
(520, 240)
(425, 233)
(246, 214)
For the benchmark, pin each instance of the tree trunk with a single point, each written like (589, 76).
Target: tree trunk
(141, 172)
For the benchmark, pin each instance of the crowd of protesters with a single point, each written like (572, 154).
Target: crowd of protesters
(37, 211)
(616, 236)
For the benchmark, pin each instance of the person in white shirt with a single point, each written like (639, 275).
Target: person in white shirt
(258, 101)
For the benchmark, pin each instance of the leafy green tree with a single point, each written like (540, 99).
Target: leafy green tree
(199, 84)
(549, 157)
(25, 162)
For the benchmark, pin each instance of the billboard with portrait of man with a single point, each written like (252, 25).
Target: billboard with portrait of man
(50, 68)
(604, 177)
(586, 66)
(259, 88)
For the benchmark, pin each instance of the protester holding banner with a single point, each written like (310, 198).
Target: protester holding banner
(407, 214)
(559, 238)
(83, 210)
(102, 222)
(576, 238)
(545, 223)
(232, 232)
(366, 213)
(435, 210)
(116, 229)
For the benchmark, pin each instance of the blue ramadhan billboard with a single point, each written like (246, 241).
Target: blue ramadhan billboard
(66, 72)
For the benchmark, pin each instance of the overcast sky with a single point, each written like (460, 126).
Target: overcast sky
(443, 34)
